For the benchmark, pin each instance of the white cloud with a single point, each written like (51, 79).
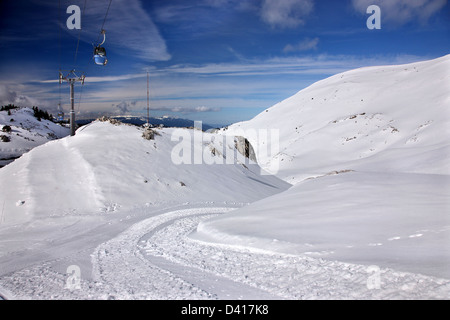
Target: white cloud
(286, 13)
(14, 94)
(173, 13)
(185, 110)
(305, 45)
(310, 65)
(124, 107)
(206, 109)
(400, 12)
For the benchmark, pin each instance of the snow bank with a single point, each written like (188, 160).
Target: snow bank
(369, 153)
(399, 221)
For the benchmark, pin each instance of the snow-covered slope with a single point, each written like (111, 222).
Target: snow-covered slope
(369, 153)
(107, 167)
(391, 118)
(27, 132)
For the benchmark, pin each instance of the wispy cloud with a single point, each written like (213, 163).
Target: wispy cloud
(309, 65)
(305, 45)
(186, 110)
(210, 87)
(128, 27)
(170, 13)
(206, 109)
(281, 14)
(286, 13)
(131, 28)
(400, 12)
(105, 78)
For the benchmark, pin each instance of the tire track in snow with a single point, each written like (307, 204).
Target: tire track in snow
(217, 285)
(119, 266)
(156, 259)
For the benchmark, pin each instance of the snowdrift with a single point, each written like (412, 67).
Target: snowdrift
(369, 153)
(106, 167)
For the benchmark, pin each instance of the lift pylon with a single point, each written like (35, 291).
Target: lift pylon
(71, 77)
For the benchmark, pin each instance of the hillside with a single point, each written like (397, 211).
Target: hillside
(369, 153)
(27, 132)
(390, 118)
(106, 167)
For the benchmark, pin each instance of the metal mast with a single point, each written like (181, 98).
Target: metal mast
(148, 101)
(71, 78)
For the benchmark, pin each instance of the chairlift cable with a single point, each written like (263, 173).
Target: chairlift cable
(79, 35)
(99, 51)
(79, 99)
(104, 20)
(60, 51)
(78, 42)
(59, 35)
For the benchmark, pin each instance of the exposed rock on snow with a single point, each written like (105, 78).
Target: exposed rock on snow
(245, 148)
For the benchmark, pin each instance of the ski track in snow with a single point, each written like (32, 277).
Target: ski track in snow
(286, 276)
(157, 259)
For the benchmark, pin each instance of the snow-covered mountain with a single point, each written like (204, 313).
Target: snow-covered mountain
(27, 132)
(369, 153)
(361, 119)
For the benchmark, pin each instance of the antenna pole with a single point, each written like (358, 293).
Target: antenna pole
(72, 109)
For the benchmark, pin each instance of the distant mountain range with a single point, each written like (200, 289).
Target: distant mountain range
(166, 121)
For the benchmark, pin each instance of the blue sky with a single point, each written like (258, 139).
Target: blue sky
(219, 61)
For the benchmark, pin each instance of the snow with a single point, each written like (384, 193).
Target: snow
(400, 221)
(62, 200)
(369, 154)
(367, 119)
(357, 205)
(27, 133)
(107, 167)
